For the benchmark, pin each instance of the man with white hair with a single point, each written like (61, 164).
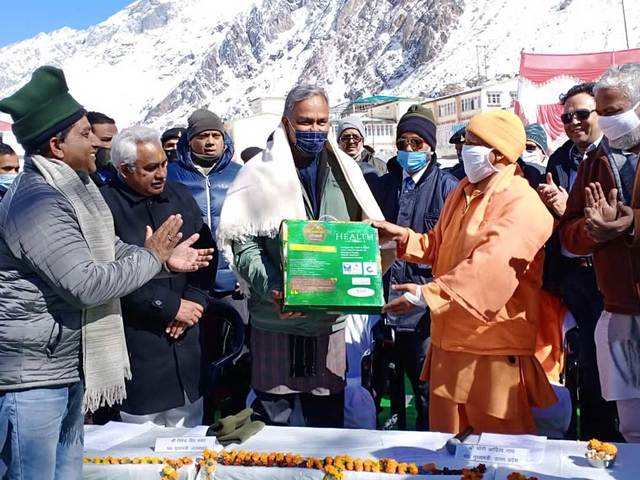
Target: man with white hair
(351, 138)
(302, 174)
(160, 318)
(601, 219)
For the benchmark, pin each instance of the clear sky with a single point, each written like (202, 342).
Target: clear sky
(22, 19)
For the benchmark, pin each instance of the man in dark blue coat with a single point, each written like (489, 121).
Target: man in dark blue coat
(204, 165)
(160, 318)
(413, 193)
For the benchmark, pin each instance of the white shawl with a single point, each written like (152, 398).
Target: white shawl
(267, 190)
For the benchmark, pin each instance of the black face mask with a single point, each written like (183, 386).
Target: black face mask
(172, 155)
(103, 157)
(206, 161)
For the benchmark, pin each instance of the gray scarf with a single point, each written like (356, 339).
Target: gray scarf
(105, 360)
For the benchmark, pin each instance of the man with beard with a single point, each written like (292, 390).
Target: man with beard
(104, 128)
(571, 277)
(601, 219)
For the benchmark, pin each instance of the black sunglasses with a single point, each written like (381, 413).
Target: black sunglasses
(416, 143)
(581, 114)
(350, 138)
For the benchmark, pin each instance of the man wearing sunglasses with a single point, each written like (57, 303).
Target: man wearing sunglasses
(351, 141)
(414, 192)
(572, 277)
(601, 220)
(580, 122)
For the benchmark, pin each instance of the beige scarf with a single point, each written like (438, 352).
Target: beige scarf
(105, 360)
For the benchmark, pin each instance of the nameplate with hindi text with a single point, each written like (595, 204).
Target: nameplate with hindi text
(186, 444)
(489, 454)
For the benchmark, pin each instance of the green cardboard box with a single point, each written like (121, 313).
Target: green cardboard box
(331, 266)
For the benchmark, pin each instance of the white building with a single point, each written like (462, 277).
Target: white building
(380, 115)
(454, 111)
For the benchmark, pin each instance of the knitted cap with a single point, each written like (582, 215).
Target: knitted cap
(501, 130)
(536, 133)
(201, 121)
(350, 122)
(42, 108)
(420, 120)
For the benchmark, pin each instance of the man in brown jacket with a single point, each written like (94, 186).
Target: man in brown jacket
(603, 219)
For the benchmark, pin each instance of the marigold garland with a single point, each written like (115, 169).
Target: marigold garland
(333, 466)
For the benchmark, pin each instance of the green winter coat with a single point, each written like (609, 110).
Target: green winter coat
(259, 262)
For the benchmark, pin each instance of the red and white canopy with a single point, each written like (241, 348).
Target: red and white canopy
(543, 77)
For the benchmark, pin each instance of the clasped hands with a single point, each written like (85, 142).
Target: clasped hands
(188, 315)
(606, 218)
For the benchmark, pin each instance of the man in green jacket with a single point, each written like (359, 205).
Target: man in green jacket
(300, 175)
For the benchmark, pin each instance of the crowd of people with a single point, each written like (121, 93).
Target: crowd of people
(141, 274)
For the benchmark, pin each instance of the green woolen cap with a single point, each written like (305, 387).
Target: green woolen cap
(40, 106)
(420, 111)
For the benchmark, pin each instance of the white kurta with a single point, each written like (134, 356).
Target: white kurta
(617, 338)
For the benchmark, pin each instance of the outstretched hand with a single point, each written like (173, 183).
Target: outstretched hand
(388, 231)
(185, 258)
(165, 238)
(401, 305)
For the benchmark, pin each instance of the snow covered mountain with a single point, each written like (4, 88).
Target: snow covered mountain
(157, 60)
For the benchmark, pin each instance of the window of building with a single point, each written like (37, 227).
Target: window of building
(470, 103)
(447, 109)
(494, 98)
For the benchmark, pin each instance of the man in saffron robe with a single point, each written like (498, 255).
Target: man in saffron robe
(486, 254)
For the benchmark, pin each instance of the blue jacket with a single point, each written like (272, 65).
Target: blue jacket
(209, 193)
(418, 208)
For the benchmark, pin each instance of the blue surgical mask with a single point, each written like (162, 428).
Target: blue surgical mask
(411, 162)
(310, 143)
(7, 179)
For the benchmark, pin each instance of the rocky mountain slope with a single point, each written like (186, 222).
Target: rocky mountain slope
(157, 60)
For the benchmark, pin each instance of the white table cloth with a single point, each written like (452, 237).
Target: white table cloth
(562, 459)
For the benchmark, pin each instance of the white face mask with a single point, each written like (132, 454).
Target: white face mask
(616, 126)
(476, 162)
(533, 157)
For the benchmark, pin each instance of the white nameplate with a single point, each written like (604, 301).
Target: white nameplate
(493, 454)
(186, 444)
